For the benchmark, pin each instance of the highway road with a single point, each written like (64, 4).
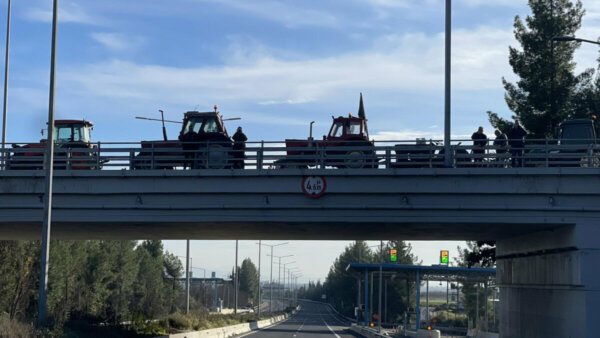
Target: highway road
(314, 320)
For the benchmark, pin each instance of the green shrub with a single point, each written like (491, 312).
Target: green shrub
(15, 329)
(179, 321)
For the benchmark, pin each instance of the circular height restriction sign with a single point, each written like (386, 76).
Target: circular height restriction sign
(314, 186)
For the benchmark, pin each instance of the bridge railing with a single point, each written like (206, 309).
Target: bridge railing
(269, 155)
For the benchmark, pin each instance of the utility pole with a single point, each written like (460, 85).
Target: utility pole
(279, 271)
(49, 161)
(6, 80)
(380, 285)
(259, 257)
(447, 87)
(187, 276)
(271, 276)
(235, 287)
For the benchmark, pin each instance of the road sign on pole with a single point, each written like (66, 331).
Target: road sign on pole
(444, 257)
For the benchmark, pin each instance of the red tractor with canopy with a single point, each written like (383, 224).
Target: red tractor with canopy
(203, 143)
(347, 145)
(72, 149)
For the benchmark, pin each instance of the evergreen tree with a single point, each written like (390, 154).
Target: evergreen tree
(149, 298)
(472, 294)
(19, 271)
(248, 279)
(541, 98)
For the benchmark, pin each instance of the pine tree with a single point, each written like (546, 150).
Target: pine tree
(248, 279)
(541, 98)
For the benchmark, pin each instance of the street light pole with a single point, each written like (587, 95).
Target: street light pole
(47, 221)
(380, 283)
(187, 276)
(6, 78)
(447, 85)
(572, 38)
(271, 277)
(288, 263)
(279, 270)
(259, 257)
(236, 281)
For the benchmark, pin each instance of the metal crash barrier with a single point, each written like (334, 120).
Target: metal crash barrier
(275, 155)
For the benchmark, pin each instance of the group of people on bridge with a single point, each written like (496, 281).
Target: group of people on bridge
(503, 143)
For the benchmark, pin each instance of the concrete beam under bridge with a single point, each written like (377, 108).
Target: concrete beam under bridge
(429, 204)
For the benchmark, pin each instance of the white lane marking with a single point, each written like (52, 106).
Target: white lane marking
(300, 328)
(262, 328)
(330, 329)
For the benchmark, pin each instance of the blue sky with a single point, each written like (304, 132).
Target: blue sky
(276, 64)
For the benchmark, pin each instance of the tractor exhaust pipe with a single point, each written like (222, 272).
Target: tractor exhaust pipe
(162, 118)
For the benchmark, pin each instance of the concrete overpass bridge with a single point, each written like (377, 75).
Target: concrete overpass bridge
(546, 220)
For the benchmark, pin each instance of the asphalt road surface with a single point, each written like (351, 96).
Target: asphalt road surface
(314, 320)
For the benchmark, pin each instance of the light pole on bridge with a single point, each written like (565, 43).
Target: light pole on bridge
(6, 78)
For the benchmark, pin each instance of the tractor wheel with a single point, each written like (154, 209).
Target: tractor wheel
(355, 159)
(590, 162)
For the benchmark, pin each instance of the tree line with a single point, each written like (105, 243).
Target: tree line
(99, 281)
(341, 288)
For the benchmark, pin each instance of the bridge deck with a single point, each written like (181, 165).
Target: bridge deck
(474, 203)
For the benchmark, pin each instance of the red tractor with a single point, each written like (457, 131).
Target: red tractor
(347, 145)
(69, 135)
(203, 144)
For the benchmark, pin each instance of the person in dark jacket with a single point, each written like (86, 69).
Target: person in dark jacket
(239, 145)
(516, 140)
(190, 147)
(479, 143)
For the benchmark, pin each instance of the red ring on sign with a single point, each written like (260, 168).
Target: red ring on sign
(313, 195)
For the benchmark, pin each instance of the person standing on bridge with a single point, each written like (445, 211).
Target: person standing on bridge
(188, 139)
(239, 146)
(479, 142)
(516, 139)
(500, 145)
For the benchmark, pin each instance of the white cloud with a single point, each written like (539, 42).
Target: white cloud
(286, 13)
(117, 42)
(408, 62)
(494, 3)
(69, 12)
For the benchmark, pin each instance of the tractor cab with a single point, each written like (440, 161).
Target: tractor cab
(578, 131)
(348, 128)
(70, 132)
(203, 126)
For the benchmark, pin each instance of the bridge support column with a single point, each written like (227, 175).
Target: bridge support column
(550, 282)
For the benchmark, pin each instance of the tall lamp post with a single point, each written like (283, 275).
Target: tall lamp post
(188, 264)
(271, 277)
(447, 86)
(279, 267)
(6, 78)
(49, 162)
(284, 265)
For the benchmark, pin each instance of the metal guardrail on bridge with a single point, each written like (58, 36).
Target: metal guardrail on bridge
(315, 155)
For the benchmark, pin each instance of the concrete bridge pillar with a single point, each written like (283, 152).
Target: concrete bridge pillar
(550, 282)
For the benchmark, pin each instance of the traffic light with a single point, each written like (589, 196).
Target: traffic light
(393, 255)
(444, 257)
